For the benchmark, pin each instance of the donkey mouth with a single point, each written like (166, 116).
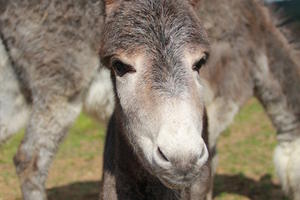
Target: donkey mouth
(178, 182)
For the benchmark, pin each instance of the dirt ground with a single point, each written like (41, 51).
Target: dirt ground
(245, 163)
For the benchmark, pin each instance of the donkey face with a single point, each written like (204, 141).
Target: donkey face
(155, 49)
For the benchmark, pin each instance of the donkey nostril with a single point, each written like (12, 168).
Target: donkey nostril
(162, 155)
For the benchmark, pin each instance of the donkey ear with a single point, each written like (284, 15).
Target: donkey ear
(111, 5)
(194, 2)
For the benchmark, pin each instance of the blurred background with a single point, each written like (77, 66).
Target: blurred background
(245, 162)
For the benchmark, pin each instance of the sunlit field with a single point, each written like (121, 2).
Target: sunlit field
(245, 161)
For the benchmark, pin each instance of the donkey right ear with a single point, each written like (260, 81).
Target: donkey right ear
(194, 3)
(111, 5)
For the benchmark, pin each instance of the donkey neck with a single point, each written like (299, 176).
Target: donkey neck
(126, 159)
(132, 173)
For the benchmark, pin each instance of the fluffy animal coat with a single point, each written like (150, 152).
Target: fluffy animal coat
(49, 70)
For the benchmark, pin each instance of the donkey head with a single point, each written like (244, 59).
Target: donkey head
(155, 50)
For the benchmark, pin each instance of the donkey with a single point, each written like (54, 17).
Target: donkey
(255, 52)
(51, 69)
(155, 147)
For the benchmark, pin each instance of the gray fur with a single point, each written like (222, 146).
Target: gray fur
(14, 111)
(53, 49)
(250, 56)
(159, 31)
(124, 177)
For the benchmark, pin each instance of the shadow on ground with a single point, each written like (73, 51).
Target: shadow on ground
(76, 191)
(263, 189)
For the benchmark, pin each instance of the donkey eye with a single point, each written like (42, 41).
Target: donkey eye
(121, 68)
(200, 63)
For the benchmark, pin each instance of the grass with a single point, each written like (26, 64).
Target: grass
(245, 163)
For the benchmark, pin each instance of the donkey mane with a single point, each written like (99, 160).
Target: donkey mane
(285, 16)
(287, 19)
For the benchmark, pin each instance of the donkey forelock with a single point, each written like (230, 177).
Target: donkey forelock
(155, 25)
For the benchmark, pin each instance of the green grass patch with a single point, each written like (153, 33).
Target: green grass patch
(9, 148)
(84, 136)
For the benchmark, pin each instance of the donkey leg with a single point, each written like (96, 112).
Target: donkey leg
(287, 162)
(286, 157)
(14, 110)
(108, 188)
(47, 127)
(220, 114)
